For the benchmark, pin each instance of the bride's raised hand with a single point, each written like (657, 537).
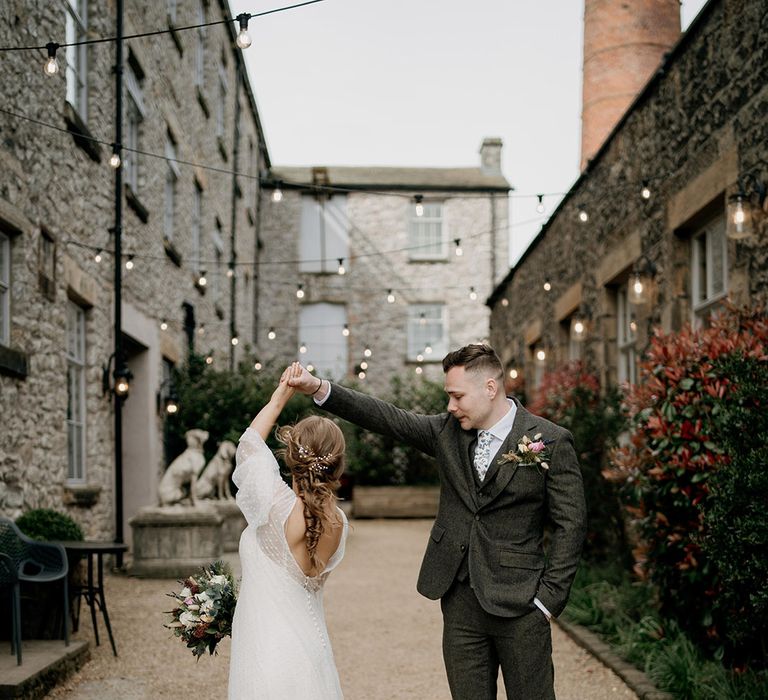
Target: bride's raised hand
(302, 380)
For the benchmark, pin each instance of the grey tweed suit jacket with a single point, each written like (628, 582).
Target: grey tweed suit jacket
(497, 524)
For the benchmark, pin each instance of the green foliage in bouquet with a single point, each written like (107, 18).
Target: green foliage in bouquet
(693, 481)
(571, 397)
(204, 608)
(49, 525)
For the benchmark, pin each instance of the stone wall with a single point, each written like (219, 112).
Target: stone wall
(49, 182)
(692, 132)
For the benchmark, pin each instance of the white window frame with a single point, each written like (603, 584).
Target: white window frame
(626, 353)
(76, 408)
(135, 113)
(197, 227)
(423, 245)
(704, 245)
(320, 327)
(171, 179)
(200, 48)
(323, 234)
(430, 329)
(76, 29)
(5, 289)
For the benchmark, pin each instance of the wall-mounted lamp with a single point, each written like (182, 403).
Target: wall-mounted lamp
(578, 329)
(122, 376)
(744, 206)
(640, 281)
(167, 402)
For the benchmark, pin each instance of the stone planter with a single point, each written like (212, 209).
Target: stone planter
(232, 524)
(395, 501)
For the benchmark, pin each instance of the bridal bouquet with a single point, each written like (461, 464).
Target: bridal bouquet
(204, 607)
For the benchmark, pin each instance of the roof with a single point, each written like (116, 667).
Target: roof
(393, 178)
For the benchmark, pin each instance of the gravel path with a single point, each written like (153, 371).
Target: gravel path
(386, 637)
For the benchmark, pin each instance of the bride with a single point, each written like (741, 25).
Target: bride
(294, 539)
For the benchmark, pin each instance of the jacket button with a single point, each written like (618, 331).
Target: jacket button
(477, 517)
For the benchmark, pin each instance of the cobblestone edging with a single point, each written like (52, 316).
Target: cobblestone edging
(631, 675)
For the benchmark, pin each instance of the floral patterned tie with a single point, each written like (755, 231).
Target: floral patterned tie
(483, 453)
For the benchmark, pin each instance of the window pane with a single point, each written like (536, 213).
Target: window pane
(426, 328)
(320, 327)
(310, 240)
(426, 232)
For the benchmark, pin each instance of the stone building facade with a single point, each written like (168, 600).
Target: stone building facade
(405, 297)
(653, 206)
(185, 102)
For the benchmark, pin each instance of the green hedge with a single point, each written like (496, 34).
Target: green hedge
(49, 525)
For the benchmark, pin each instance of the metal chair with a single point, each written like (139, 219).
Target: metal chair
(26, 560)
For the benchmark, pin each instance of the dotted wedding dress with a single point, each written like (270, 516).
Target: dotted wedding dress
(280, 645)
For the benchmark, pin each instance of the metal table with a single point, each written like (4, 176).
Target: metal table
(93, 592)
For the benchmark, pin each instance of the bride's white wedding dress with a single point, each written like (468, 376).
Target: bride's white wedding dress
(280, 645)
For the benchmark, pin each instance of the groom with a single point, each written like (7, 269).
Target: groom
(504, 474)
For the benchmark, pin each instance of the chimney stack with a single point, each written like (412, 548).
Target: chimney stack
(490, 156)
(624, 43)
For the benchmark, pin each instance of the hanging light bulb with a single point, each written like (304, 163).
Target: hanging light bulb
(361, 374)
(472, 293)
(209, 359)
(422, 319)
(540, 205)
(342, 270)
(303, 349)
(231, 271)
(646, 191)
(419, 205)
(201, 330)
(578, 329)
(202, 280)
(637, 293)
(114, 159)
(97, 257)
(547, 285)
(129, 263)
(345, 330)
(51, 66)
(428, 350)
(171, 405)
(541, 356)
(459, 251)
(271, 335)
(367, 352)
(418, 370)
(363, 365)
(513, 374)
(583, 216)
(633, 325)
(257, 366)
(504, 301)
(243, 40)
(277, 193)
(235, 340)
(163, 325)
(419, 358)
(310, 368)
(300, 291)
(390, 297)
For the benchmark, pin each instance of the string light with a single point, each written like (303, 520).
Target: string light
(361, 374)
(428, 350)
(51, 66)
(363, 365)
(97, 257)
(390, 297)
(243, 40)
(583, 216)
(310, 368)
(547, 285)
(230, 271)
(129, 263)
(202, 280)
(342, 270)
(300, 291)
(419, 358)
(277, 194)
(422, 319)
(235, 340)
(367, 352)
(163, 325)
(418, 370)
(541, 355)
(271, 335)
(459, 251)
(209, 359)
(258, 366)
(646, 191)
(472, 293)
(345, 330)
(419, 205)
(201, 330)
(303, 349)
(114, 159)
(513, 373)
(504, 301)
(540, 205)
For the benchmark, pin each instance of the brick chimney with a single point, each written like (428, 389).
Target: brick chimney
(624, 43)
(490, 156)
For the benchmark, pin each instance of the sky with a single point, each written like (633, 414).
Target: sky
(422, 82)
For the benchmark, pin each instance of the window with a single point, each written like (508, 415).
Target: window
(171, 178)
(5, 289)
(75, 392)
(221, 103)
(320, 327)
(135, 111)
(427, 328)
(77, 56)
(197, 214)
(427, 241)
(626, 334)
(200, 49)
(709, 269)
(324, 236)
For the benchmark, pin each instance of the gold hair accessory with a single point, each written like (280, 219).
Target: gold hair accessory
(318, 464)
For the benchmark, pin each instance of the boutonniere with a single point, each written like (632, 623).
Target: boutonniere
(528, 452)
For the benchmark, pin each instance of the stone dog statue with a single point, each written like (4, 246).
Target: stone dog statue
(214, 481)
(180, 478)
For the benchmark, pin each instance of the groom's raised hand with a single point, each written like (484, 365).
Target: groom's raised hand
(303, 381)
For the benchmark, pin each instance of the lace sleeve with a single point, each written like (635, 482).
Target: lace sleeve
(257, 478)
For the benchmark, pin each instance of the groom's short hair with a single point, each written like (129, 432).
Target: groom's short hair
(475, 357)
